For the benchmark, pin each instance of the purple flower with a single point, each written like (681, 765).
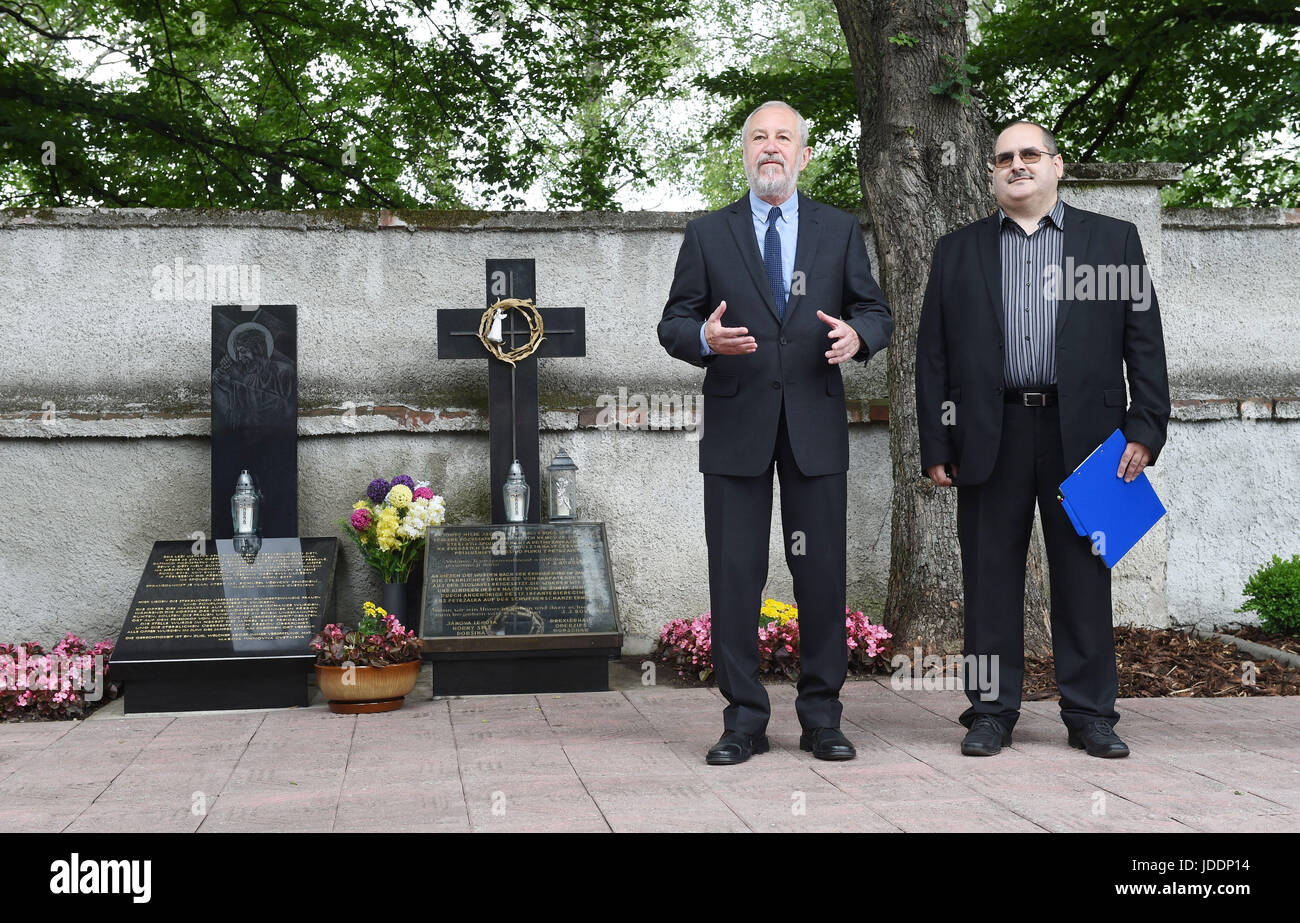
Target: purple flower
(403, 479)
(361, 520)
(378, 490)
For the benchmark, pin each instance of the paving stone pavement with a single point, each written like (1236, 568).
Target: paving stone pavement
(632, 759)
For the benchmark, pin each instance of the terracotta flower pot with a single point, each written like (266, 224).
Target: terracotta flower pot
(375, 688)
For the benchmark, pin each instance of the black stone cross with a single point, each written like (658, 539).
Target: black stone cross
(512, 390)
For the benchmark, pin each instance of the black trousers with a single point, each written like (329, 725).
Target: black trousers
(994, 523)
(737, 521)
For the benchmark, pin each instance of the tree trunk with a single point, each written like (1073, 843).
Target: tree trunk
(922, 164)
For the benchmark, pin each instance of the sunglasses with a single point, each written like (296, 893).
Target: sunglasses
(1027, 155)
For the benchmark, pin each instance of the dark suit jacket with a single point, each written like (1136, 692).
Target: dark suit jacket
(961, 340)
(743, 395)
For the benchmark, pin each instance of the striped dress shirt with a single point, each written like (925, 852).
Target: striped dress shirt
(1029, 308)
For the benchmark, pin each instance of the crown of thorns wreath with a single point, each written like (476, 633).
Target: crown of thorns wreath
(525, 307)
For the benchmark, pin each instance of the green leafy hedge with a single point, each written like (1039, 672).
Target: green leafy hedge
(1274, 592)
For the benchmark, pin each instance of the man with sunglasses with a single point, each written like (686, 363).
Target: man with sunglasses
(1020, 374)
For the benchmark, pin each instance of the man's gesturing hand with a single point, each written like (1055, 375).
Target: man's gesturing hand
(846, 340)
(730, 341)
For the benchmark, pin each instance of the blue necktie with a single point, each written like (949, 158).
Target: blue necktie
(772, 261)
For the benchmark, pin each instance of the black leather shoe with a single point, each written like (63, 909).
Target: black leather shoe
(986, 737)
(734, 747)
(827, 744)
(1099, 739)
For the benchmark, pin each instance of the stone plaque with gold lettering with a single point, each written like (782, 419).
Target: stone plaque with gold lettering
(519, 608)
(212, 627)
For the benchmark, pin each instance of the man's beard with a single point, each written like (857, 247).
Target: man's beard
(780, 186)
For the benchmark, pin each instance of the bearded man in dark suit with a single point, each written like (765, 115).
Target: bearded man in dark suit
(771, 294)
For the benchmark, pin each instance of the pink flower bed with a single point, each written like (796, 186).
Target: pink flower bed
(687, 645)
(36, 686)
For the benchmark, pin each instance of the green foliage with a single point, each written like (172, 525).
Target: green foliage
(325, 103)
(793, 50)
(957, 79)
(1274, 593)
(461, 103)
(1213, 84)
(1208, 83)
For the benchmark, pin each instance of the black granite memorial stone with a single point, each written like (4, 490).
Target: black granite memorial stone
(223, 629)
(521, 608)
(255, 412)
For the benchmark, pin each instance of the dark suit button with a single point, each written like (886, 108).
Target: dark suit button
(777, 385)
(784, 341)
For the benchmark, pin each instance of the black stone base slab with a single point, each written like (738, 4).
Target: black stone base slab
(521, 672)
(223, 629)
(211, 685)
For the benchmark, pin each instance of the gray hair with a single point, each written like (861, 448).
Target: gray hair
(803, 126)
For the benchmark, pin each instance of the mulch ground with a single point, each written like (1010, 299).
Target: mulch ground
(1154, 663)
(1151, 663)
(1289, 643)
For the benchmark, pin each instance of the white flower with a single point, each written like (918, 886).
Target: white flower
(421, 514)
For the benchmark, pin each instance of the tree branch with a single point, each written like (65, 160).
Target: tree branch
(1117, 116)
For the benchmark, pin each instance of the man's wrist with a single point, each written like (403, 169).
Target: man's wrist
(705, 349)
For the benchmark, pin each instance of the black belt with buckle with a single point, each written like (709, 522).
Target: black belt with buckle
(1030, 397)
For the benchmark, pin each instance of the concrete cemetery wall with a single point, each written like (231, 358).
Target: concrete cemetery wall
(104, 395)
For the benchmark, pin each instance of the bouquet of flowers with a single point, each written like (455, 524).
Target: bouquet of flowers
(379, 641)
(389, 525)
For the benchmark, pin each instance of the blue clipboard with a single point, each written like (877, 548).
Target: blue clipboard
(1110, 513)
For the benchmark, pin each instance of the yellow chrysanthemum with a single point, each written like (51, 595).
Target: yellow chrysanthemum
(400, 496)
(361, 505)
(386, 528)
(774, 609)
